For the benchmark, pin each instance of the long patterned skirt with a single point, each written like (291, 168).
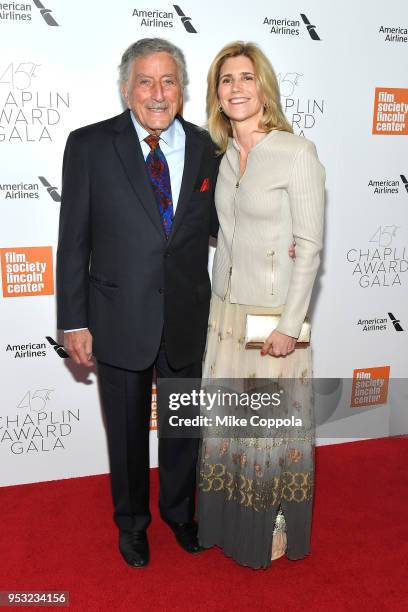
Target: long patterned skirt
(255, 493)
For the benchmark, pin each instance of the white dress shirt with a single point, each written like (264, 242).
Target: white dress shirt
(173, 144)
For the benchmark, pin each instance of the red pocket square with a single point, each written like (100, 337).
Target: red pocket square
(205, 185)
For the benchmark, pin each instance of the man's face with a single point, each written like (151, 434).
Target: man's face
(153, 91)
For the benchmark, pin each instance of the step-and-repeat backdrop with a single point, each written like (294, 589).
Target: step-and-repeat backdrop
(343, 73)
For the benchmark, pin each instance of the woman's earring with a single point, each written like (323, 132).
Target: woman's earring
(265, 106)
(220, 109)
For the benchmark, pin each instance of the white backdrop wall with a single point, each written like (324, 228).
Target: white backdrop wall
(58, 71)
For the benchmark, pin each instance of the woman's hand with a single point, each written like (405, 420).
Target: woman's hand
(278, 345)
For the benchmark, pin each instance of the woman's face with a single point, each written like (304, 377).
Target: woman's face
(237, 90)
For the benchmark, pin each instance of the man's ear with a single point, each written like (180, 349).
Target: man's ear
(124, 91)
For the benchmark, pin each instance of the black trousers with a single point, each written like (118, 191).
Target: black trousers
(126, 399)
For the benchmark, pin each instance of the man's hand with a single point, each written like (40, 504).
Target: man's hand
(278, 345)
(78, 345)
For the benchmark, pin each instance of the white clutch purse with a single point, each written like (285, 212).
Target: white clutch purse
(259, 326)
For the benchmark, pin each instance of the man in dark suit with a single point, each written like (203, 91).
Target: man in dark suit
(132, 282)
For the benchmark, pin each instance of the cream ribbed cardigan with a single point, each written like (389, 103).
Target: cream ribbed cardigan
(279, 196)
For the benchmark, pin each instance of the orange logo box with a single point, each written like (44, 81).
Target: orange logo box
(153, 414)
(390, 111)
(370, 386)
(27, 271)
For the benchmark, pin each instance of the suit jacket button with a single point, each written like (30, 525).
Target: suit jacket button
(161, 290)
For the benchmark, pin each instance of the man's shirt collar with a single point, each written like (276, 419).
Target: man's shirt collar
(168, 136)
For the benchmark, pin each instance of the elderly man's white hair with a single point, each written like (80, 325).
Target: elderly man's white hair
(147, 46)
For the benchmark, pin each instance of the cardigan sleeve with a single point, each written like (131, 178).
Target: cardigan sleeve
(306, 200)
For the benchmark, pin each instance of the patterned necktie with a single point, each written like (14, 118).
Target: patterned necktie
(160, 179)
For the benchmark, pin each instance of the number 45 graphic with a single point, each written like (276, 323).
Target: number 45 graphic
(288, 82)
(19, 77)
(36, 400)
(384, 234)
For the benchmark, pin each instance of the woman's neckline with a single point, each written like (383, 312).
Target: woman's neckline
(236, 146)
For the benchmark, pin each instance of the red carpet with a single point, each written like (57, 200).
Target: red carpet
(59, 536)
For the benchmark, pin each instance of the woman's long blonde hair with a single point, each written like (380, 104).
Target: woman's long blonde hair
(273, 118)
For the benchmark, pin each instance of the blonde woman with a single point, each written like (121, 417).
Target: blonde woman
(255, 494)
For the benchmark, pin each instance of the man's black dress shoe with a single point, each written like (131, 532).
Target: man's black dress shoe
(186, 535)
(134, 547)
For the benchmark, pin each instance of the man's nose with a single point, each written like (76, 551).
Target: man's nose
(157, 92)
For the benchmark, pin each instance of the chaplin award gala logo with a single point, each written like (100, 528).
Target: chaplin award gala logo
(27, 271)
(370, 386)
(302, 111)
(390, 111)
(31, 110)
(382, 263)
(37, 426)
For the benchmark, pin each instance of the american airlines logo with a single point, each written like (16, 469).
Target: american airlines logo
(405, 181)
(158, 18)
(58, 348)
(310, 28)
(393, 33)
(45, 13)
(380, 324)
(388, 186)
(186, 21)
(51, 190)
(396, 322)
(288, 26)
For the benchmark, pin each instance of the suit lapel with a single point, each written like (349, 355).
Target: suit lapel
(192, 159)
(130, 153)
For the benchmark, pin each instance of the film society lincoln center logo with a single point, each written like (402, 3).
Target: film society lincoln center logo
(27, 271)
(370, 386)
(390, 111)
(153, 414)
